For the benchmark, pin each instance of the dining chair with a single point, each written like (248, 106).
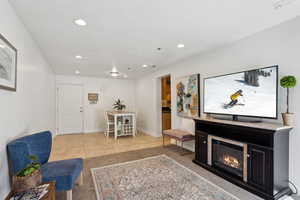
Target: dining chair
(110, 124)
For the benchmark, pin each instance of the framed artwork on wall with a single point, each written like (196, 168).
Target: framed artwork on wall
(188, 96)
(8, 65)
(93, 98)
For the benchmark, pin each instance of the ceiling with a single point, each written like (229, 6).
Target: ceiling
(127, 33)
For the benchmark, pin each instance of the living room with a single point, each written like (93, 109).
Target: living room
(107, 59)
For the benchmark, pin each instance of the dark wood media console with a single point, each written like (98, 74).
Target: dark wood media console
(254, 156)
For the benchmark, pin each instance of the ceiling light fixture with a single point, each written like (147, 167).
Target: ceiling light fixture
(114, 72)
(179, 46)
(145, 66)
(80, 22)
(77, 72)
(114, 69)
(78, 57)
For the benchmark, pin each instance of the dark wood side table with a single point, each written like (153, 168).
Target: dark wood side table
(49, 196)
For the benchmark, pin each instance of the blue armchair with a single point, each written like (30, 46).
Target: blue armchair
(63, 172)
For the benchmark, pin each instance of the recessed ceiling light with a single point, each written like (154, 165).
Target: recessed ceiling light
(144, 65)
(78, 57)
(77, 72)
(80, 22)
(180, 46)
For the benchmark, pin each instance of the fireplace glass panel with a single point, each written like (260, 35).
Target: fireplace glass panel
(228, 157)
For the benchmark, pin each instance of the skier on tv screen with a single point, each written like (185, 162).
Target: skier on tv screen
(236, 98)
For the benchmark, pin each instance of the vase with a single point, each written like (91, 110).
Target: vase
(21, 184)
(287, 119)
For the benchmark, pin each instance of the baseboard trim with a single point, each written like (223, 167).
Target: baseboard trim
(148, 132)
(94, 131)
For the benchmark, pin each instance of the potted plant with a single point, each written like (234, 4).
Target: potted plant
(288, 82)
(119, 105)
(29, 177)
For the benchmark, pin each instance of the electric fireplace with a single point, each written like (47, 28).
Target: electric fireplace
(228, 156)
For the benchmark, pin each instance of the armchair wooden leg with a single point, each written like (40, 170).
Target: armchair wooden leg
(69, 194)
(80, 179)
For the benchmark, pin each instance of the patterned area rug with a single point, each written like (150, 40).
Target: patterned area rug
(154, 178)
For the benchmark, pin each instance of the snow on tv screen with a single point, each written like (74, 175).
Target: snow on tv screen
(249, 93)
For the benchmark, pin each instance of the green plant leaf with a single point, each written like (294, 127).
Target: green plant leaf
(33, 157)
(29, 170)
(288, 81)
(31, 167)
(119, 105)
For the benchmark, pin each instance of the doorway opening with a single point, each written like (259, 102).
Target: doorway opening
(166, 102)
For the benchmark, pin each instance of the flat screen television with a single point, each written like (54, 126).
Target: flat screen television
(250, 93)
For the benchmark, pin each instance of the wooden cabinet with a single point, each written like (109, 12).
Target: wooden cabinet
(265, 153)
(201, 144)
(260, 167)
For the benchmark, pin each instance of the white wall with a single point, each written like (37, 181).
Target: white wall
(278, 45)
(109, 90)
(32, 107)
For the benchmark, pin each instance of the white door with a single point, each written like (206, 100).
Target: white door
(70, 108)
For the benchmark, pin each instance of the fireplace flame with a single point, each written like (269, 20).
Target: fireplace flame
(231, 161)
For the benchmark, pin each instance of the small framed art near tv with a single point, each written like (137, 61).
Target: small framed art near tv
(188, 96)
(252, 93)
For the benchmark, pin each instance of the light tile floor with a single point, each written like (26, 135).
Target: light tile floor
(90, 145)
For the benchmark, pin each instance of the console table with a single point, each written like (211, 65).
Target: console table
(254, 156)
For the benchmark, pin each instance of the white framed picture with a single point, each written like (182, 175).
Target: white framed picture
(8, 65)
